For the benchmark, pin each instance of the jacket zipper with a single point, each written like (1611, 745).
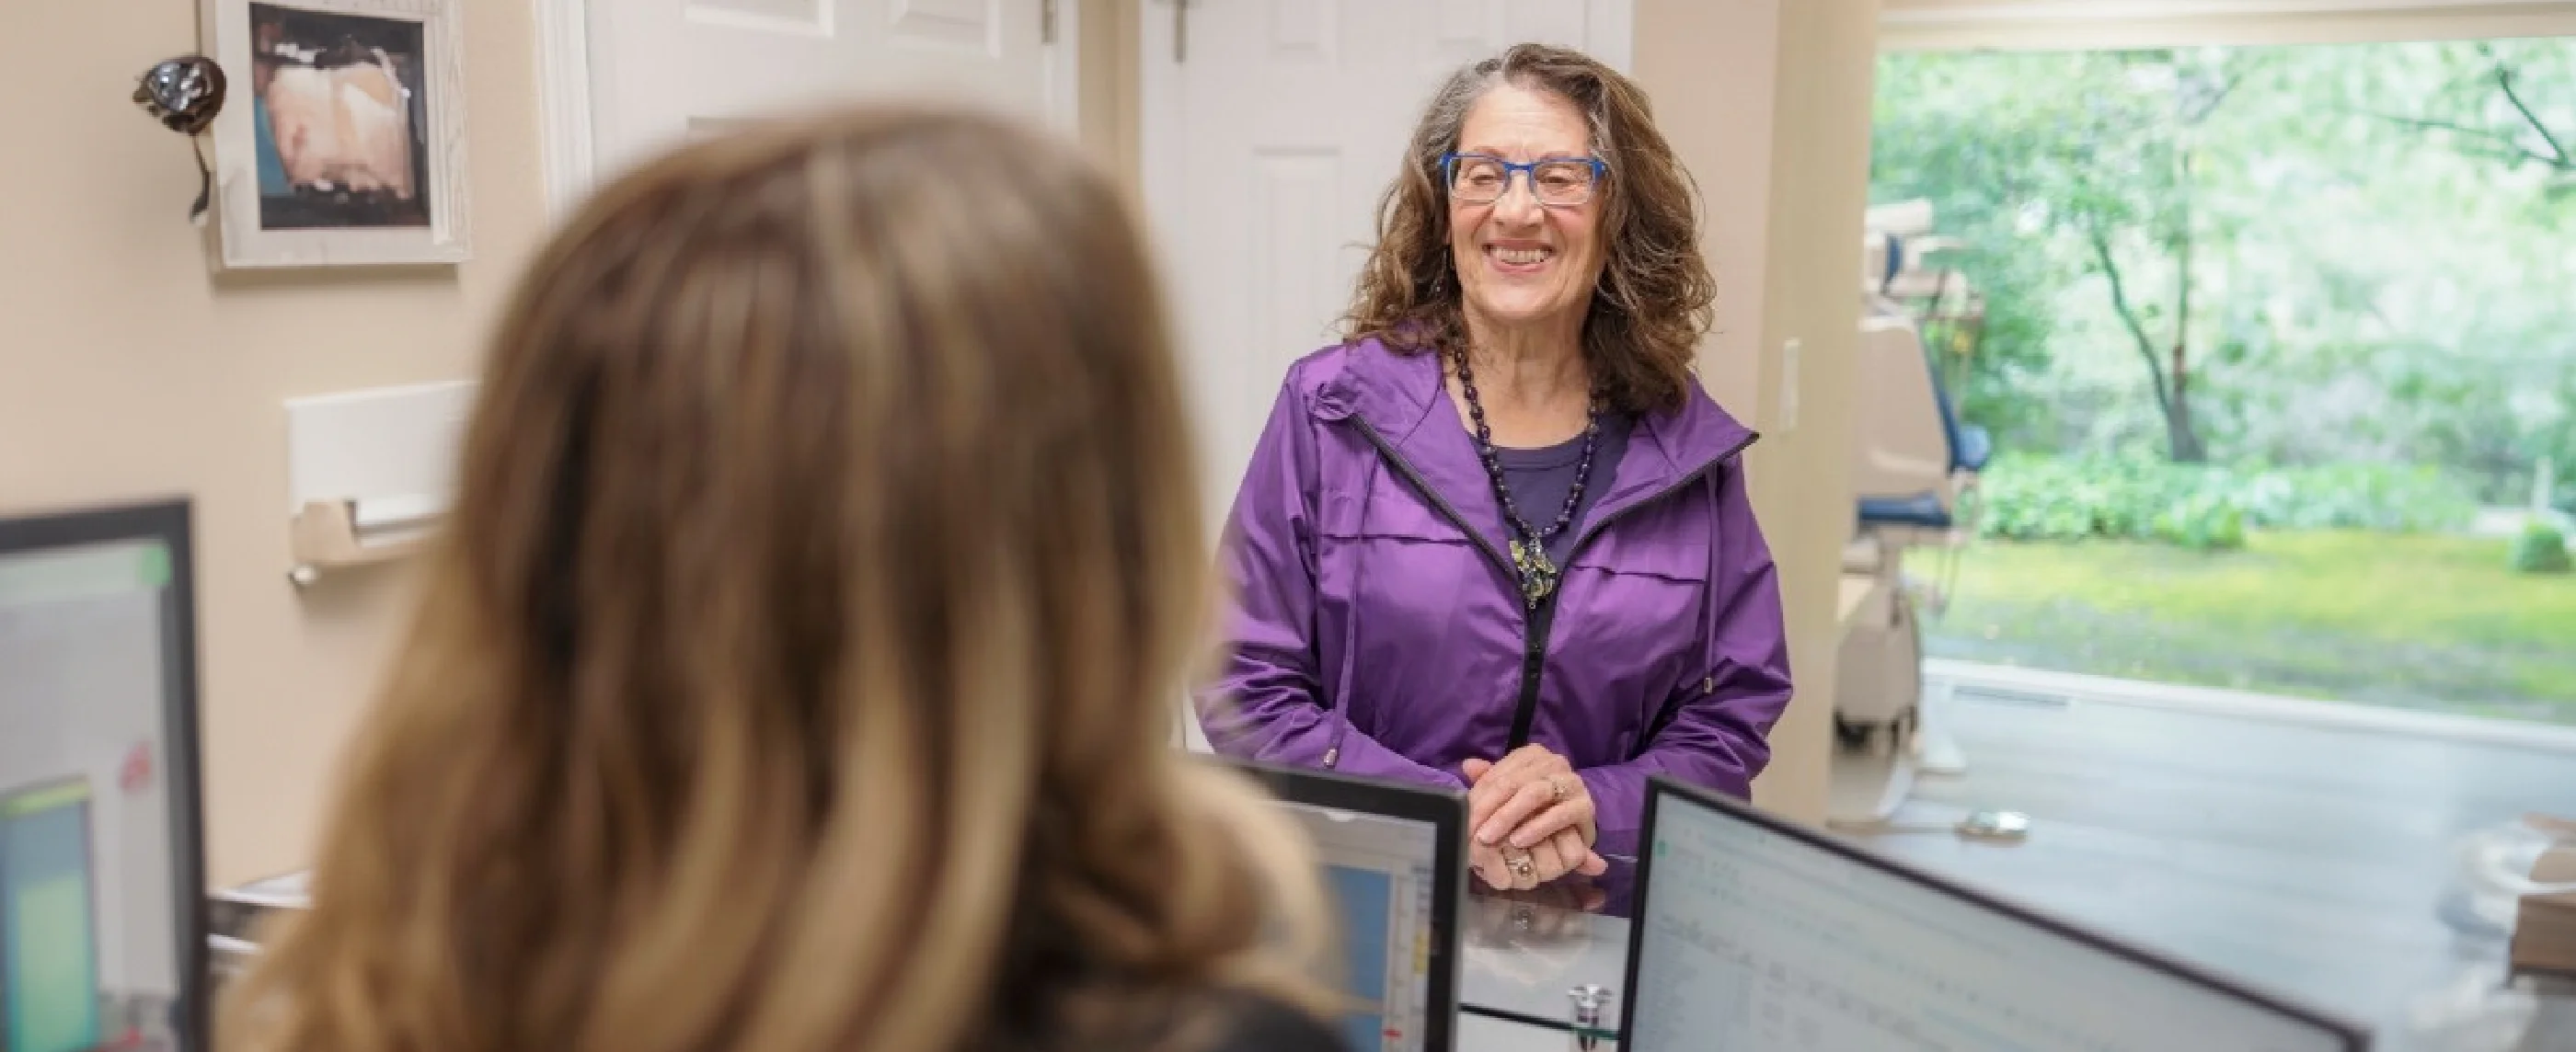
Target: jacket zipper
(1543, 620)
(1535, 627)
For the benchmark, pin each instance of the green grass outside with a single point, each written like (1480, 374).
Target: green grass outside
(2424, 622)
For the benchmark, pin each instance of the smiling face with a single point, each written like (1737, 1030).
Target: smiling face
(1523, 265)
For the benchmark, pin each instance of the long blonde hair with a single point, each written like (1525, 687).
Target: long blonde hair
(797, 671)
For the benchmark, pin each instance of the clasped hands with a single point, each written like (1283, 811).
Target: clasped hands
(1529, 820)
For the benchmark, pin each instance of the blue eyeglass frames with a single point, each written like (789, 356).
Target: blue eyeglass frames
(1561, 182)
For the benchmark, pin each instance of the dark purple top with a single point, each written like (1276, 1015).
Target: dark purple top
(1541, 477)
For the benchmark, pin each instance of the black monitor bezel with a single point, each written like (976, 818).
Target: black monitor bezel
(2354, 1036)
(171, 523)
(1446, 810)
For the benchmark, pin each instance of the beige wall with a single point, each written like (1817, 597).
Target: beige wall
(126, 370)
(1769, 103)
(1928, 24)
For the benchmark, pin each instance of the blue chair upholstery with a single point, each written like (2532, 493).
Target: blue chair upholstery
(1921, 510)
(1970, 448)
(1970, 445)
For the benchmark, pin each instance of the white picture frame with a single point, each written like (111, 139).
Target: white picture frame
(341, 141)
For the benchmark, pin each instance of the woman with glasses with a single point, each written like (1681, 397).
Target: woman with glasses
(1498, 539)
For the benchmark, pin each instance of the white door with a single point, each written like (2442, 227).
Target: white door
(1271, 128)
(662, 70)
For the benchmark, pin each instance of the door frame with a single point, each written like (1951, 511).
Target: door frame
(566, 137)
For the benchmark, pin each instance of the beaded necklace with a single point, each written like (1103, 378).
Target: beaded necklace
(1537, 572)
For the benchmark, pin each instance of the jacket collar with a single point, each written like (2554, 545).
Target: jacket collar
(1400, 397)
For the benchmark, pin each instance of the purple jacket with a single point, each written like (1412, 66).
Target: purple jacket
(1377, 628)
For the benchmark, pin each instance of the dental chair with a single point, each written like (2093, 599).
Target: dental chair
(1915, 466)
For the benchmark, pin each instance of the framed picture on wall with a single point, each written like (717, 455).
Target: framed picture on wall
(343, 141)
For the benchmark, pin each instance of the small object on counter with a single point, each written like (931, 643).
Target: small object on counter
(236, 912)
(1592, 1029)
(1995, 825)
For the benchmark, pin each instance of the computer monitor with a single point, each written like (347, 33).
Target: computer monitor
(1755, 934)
(1391, 863)
(98, 764)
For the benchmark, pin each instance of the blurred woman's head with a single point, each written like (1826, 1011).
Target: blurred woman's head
(797, 671)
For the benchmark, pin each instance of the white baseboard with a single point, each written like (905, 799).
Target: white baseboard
(2073, 686)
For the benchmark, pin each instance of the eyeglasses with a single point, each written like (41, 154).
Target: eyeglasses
(1480, 179)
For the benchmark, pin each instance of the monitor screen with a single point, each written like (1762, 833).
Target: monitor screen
(1380, 871)
(100, 873)
(49, 994)
(1753, 936)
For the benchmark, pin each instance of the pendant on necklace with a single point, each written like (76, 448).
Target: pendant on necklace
(1538, 575)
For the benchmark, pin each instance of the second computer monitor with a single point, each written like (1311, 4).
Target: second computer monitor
(1753, 934)
(1390, 856)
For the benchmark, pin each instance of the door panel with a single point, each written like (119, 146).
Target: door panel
(665, 70)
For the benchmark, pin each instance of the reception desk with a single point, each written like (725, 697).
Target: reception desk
(1524, 952)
